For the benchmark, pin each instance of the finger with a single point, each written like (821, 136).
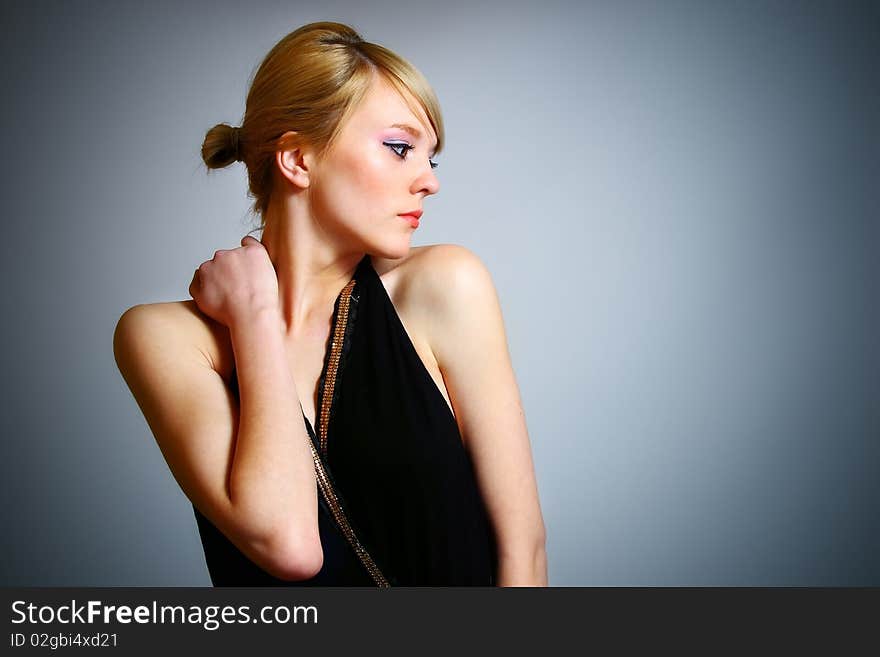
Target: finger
(248, 239)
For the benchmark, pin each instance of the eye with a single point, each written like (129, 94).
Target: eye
(405, 147)
(402, 145)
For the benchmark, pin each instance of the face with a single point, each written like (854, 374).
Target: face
(374, 173)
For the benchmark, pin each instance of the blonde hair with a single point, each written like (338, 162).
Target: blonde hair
(309, 83)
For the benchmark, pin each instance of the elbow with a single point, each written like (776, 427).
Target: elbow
(541, 542)
(296, 558)
(524, 551)
(522, 561)
(287, 547)
(531, 545)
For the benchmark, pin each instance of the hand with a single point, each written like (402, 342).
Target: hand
(236, 283)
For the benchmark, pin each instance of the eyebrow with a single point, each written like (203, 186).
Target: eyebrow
(415, 132)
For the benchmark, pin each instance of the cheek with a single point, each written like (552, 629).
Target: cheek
(366, 179)
(356, 186)
(367, 173)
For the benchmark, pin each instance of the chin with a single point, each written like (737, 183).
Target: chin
(391, 251)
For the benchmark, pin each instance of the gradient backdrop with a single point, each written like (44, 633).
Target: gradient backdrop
(677, 201)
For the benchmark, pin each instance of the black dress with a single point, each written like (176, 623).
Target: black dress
(399, 501)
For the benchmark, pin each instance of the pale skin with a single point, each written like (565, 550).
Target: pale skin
(266, 308)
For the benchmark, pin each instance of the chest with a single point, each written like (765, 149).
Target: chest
(305, 356)
(306, 361)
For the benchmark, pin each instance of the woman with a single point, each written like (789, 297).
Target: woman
(339, 406)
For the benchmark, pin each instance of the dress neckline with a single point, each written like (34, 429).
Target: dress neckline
(338, 342)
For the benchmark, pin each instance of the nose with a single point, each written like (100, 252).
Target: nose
(426, 182)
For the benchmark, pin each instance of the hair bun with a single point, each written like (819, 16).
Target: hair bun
(222, 146)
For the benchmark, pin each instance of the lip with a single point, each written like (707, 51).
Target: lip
(412, 217)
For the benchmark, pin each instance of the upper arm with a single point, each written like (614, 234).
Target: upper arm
(469, 342)
(193, 416)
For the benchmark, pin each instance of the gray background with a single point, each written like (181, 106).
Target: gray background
(677, 202)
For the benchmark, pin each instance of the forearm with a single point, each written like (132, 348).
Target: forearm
(272, 479)
(523, 566)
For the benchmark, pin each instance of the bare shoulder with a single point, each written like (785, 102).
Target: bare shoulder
(178, 323)
(430, 268)
(433, 282)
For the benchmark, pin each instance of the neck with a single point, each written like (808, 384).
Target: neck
(311, 268)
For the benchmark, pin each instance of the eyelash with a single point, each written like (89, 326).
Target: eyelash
(407, 147)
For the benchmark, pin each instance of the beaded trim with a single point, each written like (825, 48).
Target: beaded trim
(339, 515)
(323, 479)
(333, 365)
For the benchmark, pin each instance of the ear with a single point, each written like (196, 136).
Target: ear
(294, 160)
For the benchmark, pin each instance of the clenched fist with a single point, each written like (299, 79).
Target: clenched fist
(236, 283)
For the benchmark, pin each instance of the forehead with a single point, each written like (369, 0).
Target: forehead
(383, 106)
